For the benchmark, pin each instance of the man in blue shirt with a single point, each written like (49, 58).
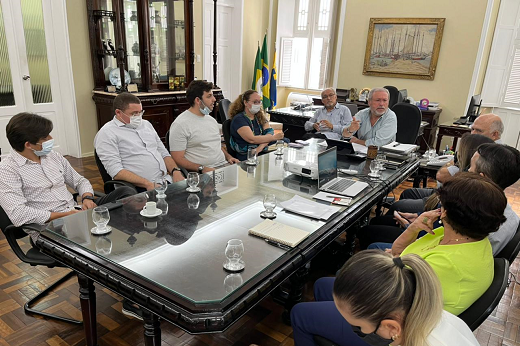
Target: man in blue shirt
(376, 125)
(329, 121)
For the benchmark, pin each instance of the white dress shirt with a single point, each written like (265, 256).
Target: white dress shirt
(339, 116)
(139, 150)
(30, 191)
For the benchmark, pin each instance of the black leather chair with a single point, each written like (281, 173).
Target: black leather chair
(352, 107)
(484, 306)
(394, 95)
(510, 251)
(223, 108)
(408, 122)
(226, 131)
(35, 258)
(109, 184)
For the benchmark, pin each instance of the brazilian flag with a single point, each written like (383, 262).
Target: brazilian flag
(265, 75)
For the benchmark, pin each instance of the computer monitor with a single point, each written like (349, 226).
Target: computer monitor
(403, 95)
(474, 106)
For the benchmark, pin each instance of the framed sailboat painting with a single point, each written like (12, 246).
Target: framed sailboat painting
(403, 47)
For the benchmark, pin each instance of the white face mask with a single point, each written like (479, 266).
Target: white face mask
(255, 109)
(135, 121)
(205, 110)
(46, 148)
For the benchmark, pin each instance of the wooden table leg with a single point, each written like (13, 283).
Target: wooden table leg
(438, 144)
(152, 329)
(87, 298)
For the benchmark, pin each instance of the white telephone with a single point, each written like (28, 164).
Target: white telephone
(440, 160)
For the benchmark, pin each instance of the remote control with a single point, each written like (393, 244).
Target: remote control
(347, 171)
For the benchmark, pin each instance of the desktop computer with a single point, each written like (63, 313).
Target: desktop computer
(472, 113)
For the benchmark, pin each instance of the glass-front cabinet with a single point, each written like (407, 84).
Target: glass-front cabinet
(149, 41)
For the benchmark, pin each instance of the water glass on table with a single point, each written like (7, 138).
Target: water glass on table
(251, 156)
(269, 205)
(193, 181)
(374, 169)
(161, 184)
(234, 252)
(101, 217)
(381, 159)
(279, 147)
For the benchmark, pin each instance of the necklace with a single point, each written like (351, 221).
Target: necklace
(253, 125)
(456, 240)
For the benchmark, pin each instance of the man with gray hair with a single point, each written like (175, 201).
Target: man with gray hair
(489, 125)
(376, 125)
(329, 121)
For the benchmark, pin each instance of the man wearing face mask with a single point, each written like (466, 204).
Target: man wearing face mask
(376, 125)
(329, 121)
(130, 148)
(195, 135)
(249, 125)
(34, 178)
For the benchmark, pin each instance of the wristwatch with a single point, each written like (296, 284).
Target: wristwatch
(201, 167)
(175, 169)
(88, 197)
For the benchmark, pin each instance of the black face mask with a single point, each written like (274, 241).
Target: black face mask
(372, 338)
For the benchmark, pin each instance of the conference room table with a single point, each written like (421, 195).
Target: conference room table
(172, 265)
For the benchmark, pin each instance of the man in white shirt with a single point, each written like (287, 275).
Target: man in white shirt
(130, 149)
(34, 178)
(376, 125)
(489, 125)
(330, 120)
(195, 136)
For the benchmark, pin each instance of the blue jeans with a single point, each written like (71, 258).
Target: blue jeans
(322, 318)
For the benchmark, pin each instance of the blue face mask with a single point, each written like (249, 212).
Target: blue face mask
(46, 148)
(205, 110)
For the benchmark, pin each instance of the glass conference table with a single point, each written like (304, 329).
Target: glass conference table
(172, 265)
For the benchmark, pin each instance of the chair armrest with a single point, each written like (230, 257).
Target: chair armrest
(111, 184)
(12, 233)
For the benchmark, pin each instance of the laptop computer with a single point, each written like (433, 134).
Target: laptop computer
(328, 176)
(345, 149)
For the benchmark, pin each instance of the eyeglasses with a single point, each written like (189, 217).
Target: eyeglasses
(134, 114)
(324, 97)
(256, 102)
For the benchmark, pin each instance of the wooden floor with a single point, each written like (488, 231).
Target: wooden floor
(262, 325)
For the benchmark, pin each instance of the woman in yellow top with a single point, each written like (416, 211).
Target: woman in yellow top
(459, 253)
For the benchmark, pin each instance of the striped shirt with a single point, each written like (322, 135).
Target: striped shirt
(30, 191)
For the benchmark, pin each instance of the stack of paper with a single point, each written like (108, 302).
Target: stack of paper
(400, 148)
(302, 206)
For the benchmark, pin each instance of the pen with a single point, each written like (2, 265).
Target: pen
(278, 245)
(396, 145)
(284, 131)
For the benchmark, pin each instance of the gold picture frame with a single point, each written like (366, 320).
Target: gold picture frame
(403, 47)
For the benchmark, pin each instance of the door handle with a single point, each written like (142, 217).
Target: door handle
(26, 77)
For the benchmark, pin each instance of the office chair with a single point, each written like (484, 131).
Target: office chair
(394, 95)
(484, 306)
(408, 122)
(109, 184)
(226, 131)
(510, 251)
(352, 108)
(223, 108)
(33, 257)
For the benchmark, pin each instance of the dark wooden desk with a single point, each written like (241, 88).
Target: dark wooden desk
(172, 265)
(452, 130)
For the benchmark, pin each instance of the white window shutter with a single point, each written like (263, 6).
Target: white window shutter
(512, 93)
(501, 55)
(284, 78)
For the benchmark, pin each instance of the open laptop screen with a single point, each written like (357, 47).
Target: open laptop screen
(327, 166)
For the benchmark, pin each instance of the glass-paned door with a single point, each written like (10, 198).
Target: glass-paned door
(29, 74)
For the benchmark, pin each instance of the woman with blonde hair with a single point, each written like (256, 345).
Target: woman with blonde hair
(249, 125)
(396, 301)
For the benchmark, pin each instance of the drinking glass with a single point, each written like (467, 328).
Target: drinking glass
(100, 216)
(193, 181)
(269, 205)
(374, 169)
(381, 159)
(161, 184)
(251, 156)
(234, 251)
(279, 147)
(431, 154)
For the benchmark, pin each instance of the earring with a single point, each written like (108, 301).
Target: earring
(394, 337)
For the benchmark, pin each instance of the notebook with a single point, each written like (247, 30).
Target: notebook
(278, 232)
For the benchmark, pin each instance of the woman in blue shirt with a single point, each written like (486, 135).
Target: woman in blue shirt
(249, 125)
